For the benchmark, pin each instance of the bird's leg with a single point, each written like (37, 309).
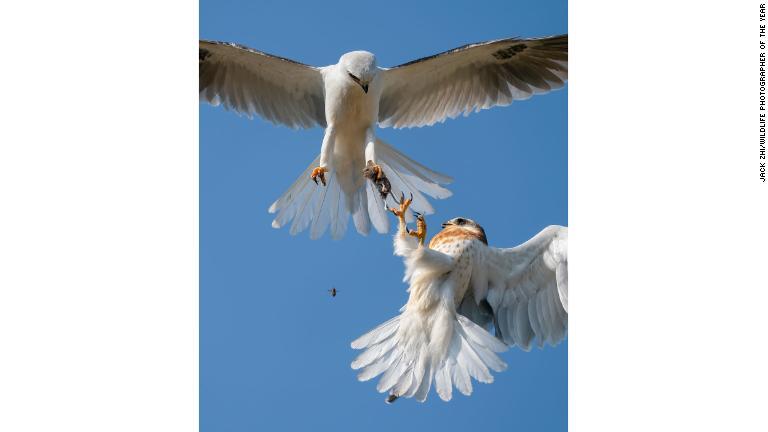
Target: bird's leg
(370, 146)
(326, 151)
(373, 171)
(421, 228)
(400, 212)
(421, 224)
(319, 173)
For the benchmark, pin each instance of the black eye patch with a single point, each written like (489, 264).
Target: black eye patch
(354, 78)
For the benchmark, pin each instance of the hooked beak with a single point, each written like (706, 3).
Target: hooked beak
(365, 87)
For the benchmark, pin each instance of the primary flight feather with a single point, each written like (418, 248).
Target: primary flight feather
(355, 170)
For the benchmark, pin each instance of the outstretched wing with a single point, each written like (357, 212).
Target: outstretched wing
(470, 78)
(523, 291)
(249, 81)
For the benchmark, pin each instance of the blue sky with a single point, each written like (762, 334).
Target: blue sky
(274, 346)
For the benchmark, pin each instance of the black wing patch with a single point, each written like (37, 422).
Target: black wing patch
(510, 51)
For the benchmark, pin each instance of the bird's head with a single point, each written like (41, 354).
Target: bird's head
(468, 225)
(360, 67)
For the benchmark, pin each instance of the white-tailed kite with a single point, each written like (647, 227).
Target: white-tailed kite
(460, 288)
(349, 98)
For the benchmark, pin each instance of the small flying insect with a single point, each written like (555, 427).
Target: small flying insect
(333, 291)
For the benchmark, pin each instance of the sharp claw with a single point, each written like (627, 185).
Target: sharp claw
(417, 213)
(403, 203)
(401, 199)
(318, 172)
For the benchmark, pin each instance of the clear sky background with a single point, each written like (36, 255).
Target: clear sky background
(274, 346)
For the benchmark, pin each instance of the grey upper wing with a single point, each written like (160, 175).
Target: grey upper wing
(249, 81)
(523, 291)
(470, 78)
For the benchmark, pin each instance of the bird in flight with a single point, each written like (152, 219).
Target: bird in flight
(333, 291)
(460, 289)
(355, 170)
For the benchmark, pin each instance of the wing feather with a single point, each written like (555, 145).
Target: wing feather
(470, 78)
(253, 82)
(526, 288)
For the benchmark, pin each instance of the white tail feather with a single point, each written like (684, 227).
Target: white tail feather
(417, 347)
(307, 205)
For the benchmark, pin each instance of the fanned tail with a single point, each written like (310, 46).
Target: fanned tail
(306, 205)
(317, 208)
(417, 348)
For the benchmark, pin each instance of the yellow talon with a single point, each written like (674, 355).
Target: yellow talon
(421, 229)
(319, 172)
(404, 203)
(421, 226)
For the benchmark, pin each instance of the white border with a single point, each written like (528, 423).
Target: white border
(668, 220)
(99, 219)
(98, 227)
